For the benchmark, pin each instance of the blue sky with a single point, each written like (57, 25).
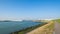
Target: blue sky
(29, 9)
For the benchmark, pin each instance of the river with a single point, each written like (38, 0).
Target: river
(8, 27)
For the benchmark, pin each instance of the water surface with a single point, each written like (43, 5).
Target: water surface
(8, 27)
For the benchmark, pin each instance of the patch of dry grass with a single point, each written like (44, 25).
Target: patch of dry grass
(46, 29)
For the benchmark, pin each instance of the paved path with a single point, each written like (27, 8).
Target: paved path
(57, 28)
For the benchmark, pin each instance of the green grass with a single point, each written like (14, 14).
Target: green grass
(58, 20)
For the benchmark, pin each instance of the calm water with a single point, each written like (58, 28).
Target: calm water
(8, 27)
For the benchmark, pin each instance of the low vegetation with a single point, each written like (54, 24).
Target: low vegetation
(58, 20)
(46, 29)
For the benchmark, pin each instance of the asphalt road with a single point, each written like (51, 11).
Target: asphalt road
(57, 28)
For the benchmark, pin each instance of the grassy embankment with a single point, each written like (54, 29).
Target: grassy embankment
(58, 20)
(46, 29)
(28, 29)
